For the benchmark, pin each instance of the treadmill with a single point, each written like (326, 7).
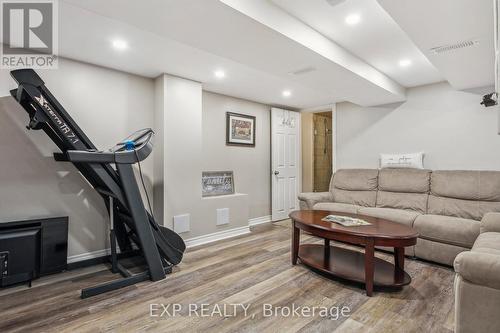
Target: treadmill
(111, 174)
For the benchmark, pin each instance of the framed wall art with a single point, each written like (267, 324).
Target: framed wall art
(240, 129)
(214, 183)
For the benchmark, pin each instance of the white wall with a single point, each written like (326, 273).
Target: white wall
(159, 151)
(181, 116)
(251, 165)
(108, 105)
(453, 130)
(187, 149)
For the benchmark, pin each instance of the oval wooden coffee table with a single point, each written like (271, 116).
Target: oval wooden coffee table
(349, 264)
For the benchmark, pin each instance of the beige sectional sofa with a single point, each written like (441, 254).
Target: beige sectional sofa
(445, 207)
(477, 281)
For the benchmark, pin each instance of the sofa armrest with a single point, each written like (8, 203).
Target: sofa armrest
(479, 268)
(490, 222)
(308, 200)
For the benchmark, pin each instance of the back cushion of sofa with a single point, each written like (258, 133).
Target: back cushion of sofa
(355, 186)
(355, 179)
(399, 200)
(467, 185)
(404, 180)
(404, 189)
(466, 194)
(360, 198)
(467, 209)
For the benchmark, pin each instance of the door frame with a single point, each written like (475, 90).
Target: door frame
(313, 157)
(325, 108)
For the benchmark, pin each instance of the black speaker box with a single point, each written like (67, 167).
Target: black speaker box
(32, 248)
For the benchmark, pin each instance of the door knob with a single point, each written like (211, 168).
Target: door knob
(276, 172)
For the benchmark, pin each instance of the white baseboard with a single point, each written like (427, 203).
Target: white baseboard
(216, 236)
(195, 241)
(89, 255)
(259, 220)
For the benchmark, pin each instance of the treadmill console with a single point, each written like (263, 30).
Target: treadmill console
(133, 149)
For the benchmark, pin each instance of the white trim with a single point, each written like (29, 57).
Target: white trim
(216, 236)
(191, 242)
(320, 108)
(299, 166)
(88, 255)
(259, 220)
(334, 137)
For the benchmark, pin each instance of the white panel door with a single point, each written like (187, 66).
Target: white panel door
(285, 162)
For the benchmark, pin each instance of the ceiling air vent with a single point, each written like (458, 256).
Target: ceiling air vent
(454, 47)
(334, 2)
(303, 70)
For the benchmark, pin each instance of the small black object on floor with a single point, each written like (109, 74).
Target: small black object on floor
(33, 248)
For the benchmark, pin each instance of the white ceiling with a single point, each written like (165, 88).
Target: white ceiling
(376, 39)
(432, 23)
(192, 38)
(88, 37)
(258, 43)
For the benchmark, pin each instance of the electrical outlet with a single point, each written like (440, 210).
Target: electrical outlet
(222, 216)
(181, 223)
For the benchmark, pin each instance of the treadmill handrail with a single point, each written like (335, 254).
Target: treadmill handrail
(121, 156)
(84, 156)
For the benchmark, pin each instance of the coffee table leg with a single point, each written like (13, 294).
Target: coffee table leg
(399, 262)
(369, 259)
(326, 254)
(295, 243)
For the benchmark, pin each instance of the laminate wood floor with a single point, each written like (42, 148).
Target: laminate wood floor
(253, 270)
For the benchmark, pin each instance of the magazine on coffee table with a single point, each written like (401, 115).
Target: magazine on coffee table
(345, 221)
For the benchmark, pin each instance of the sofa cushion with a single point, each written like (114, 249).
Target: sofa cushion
(360, 198)
(308, 200)
(355, 180)
(404, 180)
(490, 222)
(449, 230)
(337, 207)
(479, 268)
(467, 209)
(396, 215)
(466, 185)
(409, 250)
(411, 201)
(488, 242)
(438, 252)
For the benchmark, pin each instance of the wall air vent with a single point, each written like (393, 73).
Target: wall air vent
(454, 47)
(304, 70)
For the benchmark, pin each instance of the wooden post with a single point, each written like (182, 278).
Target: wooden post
(295, 243)
(369, 258)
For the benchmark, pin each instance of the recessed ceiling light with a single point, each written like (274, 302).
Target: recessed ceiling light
(353, 19)
(219, 74)
(404, 62)
(286, 93)
(120, 44)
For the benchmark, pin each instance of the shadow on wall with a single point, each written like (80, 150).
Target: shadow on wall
(363, 123)
(33, 185)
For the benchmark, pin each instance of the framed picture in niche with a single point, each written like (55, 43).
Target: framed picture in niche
(240, 129)
(214, 183)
